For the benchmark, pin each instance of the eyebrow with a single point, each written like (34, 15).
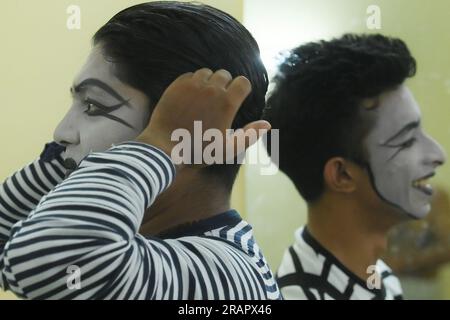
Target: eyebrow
(100, 84)
(410, 126)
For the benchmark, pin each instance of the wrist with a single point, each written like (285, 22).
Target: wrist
(161, 144)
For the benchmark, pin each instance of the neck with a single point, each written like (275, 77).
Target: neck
(356, 237)
(192, 197)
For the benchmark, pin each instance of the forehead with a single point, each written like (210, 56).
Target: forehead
(97, 67)
(396, 108)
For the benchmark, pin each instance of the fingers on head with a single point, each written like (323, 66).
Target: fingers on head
(239, 89)
(202, 75)
(221, 78)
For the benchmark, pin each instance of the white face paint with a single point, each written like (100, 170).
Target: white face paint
(401, 156)
(105, 111)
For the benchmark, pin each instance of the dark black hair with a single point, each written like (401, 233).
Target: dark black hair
(316, 102)
(153, 43)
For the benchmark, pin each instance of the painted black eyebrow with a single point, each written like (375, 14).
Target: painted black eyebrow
(410, 126)
(100, 84)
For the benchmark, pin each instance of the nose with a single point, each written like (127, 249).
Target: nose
(435, 154)
(67, 133)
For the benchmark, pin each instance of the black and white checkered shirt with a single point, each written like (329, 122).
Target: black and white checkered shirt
(310, 272)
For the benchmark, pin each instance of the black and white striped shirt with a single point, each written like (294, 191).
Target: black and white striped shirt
(310, 272)
(91, 221)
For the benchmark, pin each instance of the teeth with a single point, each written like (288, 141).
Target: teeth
(423, 183)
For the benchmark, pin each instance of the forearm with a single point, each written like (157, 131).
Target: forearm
(90, 220)
(21, 192)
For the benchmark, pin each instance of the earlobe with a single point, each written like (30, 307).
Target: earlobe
(339, 176)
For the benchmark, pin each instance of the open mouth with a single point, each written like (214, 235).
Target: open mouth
(423, 184)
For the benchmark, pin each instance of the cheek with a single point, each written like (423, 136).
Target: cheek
(393, 181)
(397, 170)
(138, 117)
(140, 120)
(391, 176)
(393, 166)
(395, 175)
(101, 134)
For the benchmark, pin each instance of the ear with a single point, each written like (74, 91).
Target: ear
(340, 175)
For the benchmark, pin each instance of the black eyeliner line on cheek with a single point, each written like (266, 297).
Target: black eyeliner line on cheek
(401, 147)
(105, 112)
(109, 116)
(394, 155)
(384, 145)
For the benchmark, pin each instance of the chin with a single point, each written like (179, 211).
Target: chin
(421, 213)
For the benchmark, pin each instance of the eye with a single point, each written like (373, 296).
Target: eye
(92, 107)
(408, 143)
